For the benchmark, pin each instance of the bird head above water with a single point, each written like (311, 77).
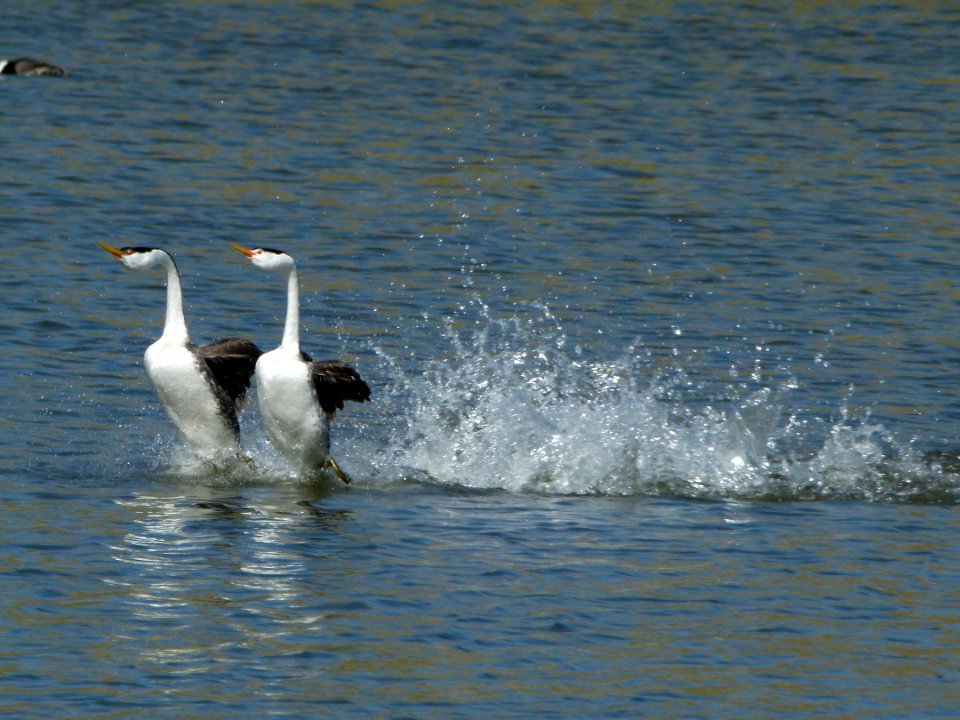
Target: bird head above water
(137, 258)
(266, 258)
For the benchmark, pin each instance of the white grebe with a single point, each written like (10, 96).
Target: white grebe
(298, 397)
(200, 386)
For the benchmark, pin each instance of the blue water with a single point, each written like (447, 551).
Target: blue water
(658, 307)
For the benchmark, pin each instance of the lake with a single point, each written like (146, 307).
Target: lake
(657, 303)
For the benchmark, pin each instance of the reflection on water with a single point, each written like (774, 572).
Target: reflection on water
(481, 591)
(213, 554)
(289, 599)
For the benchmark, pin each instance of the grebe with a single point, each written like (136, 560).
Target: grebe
(298, 396)
(200, 386)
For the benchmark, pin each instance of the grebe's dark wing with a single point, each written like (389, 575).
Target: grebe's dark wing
(232, 362)
(336, 382)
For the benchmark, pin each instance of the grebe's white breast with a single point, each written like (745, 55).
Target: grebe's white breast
(297, 426)
(190, 399)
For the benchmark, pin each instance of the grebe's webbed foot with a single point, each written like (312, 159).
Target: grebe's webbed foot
(332, 464)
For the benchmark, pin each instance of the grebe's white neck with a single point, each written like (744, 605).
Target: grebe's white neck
(146, 258)
(175, 324)
(269, 259)
(291, 327)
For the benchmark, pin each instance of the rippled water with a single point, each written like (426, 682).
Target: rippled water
(657, 303)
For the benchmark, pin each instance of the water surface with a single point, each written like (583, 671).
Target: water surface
(657, 303)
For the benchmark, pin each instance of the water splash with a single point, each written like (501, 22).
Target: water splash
(507, 405)
(164, 456)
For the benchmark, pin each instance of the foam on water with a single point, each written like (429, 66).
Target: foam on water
(507, 405)
(149, 447)
(258, 464)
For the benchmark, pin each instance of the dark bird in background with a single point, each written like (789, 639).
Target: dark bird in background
(31, 67)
